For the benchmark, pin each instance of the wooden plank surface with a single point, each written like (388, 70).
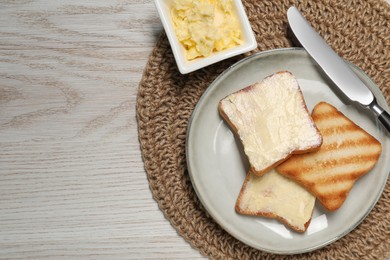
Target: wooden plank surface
(72, 181)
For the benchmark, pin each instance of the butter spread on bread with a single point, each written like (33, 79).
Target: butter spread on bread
(271, 120)
(347, 153)
(275, 196)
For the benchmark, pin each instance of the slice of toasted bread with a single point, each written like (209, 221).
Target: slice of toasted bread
(347, 153)
(275, 196)
(271, 120)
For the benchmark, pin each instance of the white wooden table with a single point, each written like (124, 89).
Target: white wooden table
(72, 181)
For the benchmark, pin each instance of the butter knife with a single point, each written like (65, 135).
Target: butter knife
(334, 66)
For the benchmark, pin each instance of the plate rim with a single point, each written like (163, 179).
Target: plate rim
(216, 219)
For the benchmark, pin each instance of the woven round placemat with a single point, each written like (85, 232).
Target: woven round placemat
(359, 30)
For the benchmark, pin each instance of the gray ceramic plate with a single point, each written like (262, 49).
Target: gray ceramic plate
(217, 166)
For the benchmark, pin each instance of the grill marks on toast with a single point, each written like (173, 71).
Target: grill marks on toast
(347, 153)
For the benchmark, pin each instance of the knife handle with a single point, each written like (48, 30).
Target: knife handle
(382, 115)
(384, 118)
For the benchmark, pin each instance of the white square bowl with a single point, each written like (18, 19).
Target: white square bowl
(185, 66)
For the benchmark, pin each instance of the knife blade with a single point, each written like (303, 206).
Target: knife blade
(334, 66)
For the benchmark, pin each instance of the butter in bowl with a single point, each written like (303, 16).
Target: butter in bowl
(203, 32)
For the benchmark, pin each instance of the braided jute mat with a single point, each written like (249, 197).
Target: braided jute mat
(359, 30)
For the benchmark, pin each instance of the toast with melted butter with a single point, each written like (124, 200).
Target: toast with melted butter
(274, 196)
(271, 120)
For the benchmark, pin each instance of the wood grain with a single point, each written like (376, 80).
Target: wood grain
(72, 181)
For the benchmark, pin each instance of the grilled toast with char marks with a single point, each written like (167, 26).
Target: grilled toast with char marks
(347, 153)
